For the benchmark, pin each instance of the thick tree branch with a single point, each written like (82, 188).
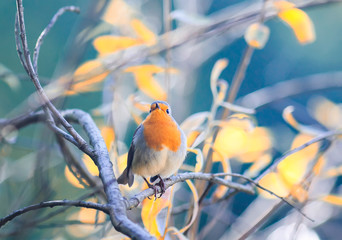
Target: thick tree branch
(116, 205)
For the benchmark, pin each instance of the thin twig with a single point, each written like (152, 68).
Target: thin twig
(290, 88)
(167, 29)
(266, 190)
(81, 143)
(137, 199)
(239, 76)
(17, 43)
(91, 180)
(319, 138)
(41, 37)
(260, 222)
(97, 206)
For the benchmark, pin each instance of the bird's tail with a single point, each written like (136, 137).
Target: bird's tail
(126, 177)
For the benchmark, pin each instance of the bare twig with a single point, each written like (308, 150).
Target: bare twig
(97, 206)
(319, 138)
(17, 43)
(271, 94)
(137, 199)
(260, 222)
(239, 75)
(81, 143)
(41, 37)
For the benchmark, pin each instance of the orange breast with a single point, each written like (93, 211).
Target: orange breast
(160, 130)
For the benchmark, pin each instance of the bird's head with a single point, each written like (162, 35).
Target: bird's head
(160, 107)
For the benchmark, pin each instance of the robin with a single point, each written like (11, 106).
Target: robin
(158, 148)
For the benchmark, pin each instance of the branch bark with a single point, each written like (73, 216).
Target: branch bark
(51, 204)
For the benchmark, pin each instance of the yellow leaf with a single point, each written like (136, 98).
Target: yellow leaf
(274, 183)
(192, 137)
(195, 207)
(83, 83)
(199, 158)
(108, 136)
(194, 121)
(221, 190)
(143, 33)
(219, 66)
(90, 165)
(87, 68)
(150, 210)
(146, 82)
(333, 199)
(237, 139)
(118, 12)
(81, 230)
(292, 169)
(137, 118)
(257, 35)
(289, 118)
(142, 106)
(109, 44)
(299, 193)
(298, 20)
(317, 169)
(333, 172)
(83, 87)
(71, 178)
(327, 112)
(310, 151)
(122, 162)
(258, 165)
(91, 216)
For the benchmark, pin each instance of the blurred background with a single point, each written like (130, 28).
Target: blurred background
(32, 169)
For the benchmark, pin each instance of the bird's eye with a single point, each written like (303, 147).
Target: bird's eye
(167, 111)
(150, 110)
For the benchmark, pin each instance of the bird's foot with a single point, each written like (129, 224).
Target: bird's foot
(161, 184)
(153, 187)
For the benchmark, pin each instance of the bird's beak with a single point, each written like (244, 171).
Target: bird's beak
(157, 105)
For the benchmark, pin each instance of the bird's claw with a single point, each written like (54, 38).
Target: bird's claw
(161, 184)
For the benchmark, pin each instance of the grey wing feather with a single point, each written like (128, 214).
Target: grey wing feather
(127, 176)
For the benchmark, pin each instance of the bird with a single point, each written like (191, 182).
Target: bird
(158, 148)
